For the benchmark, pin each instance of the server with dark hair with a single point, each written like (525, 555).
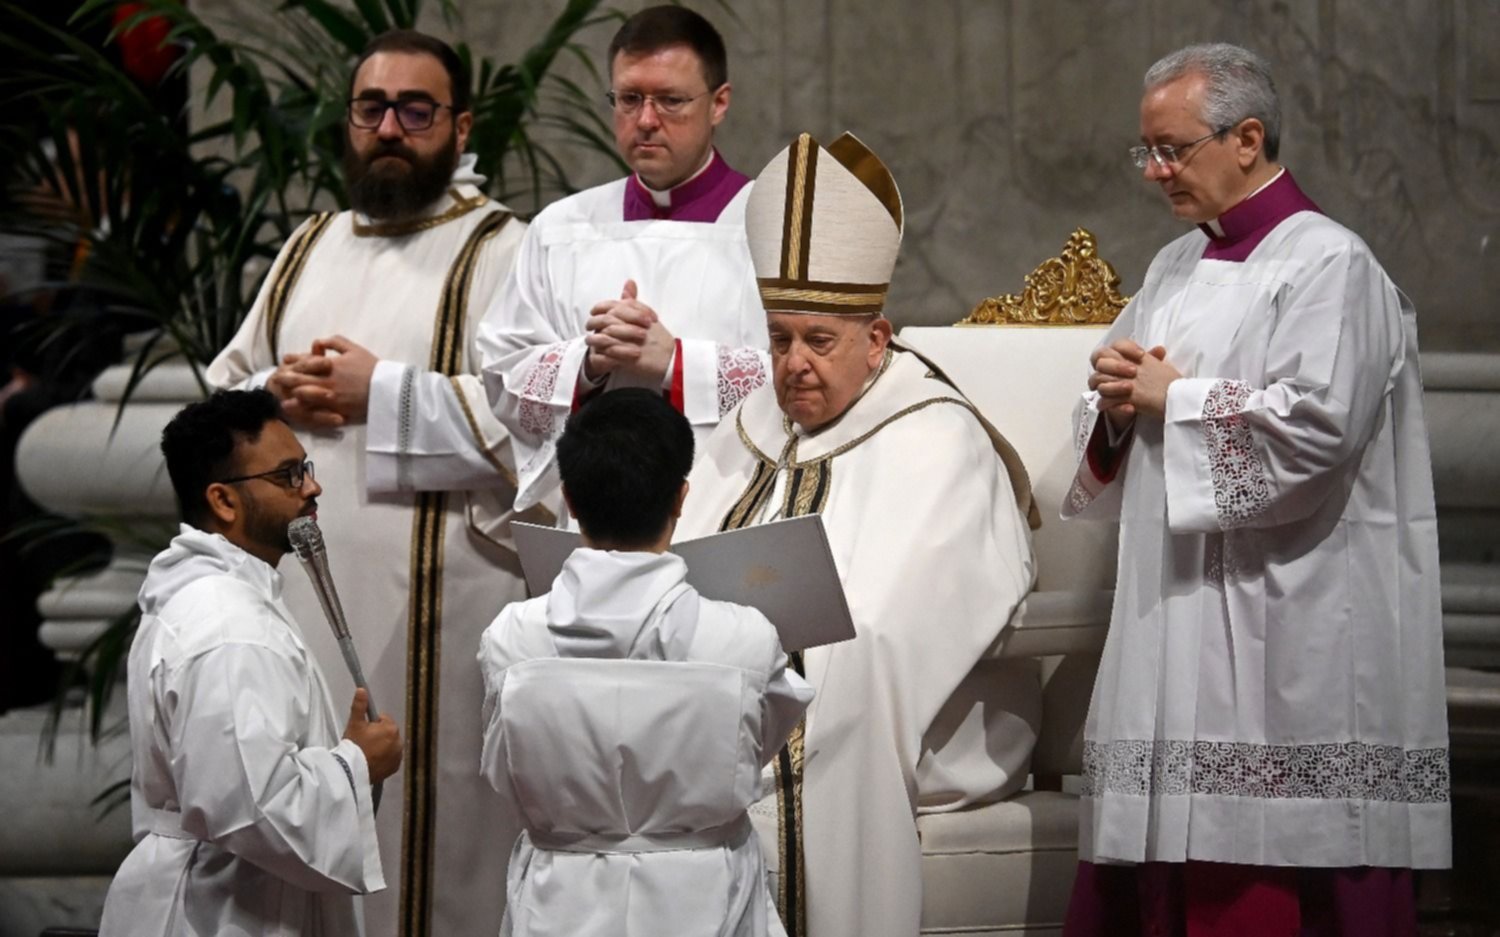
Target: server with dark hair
(251, 814)
(626, 717)
(624, 462)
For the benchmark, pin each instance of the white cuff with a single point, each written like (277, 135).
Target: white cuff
(257, 380)
(666, 378)
(1189, 480)
(373, 877)
(700, 381)
(383, 424)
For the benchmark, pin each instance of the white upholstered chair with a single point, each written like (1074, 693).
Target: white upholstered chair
(1007, 868)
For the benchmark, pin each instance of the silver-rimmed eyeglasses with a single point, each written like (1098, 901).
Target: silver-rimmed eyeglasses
(288, 476)
(668, 105)
(1168, 154)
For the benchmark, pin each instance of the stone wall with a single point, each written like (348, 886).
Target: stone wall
(1006, 125)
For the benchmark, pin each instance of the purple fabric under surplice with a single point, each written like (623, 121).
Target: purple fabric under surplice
(1246, 224)
(1210, 899)
(701, 198)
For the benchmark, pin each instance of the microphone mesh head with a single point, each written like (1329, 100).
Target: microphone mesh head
(305, 536)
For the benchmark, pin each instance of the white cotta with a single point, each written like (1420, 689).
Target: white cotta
(580, 252)
(251, 815)
(935, 557)
(1271, 691)
(426, 432)
(627, 720)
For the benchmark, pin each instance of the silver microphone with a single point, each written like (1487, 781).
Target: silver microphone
(307, 540)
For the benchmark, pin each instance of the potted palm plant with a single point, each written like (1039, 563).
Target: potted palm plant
(165, 219)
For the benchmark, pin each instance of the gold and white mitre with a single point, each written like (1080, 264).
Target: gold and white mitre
(824, 226)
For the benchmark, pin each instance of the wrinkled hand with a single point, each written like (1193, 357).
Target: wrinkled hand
(1130, 381)
(380, 741)
(627, 334)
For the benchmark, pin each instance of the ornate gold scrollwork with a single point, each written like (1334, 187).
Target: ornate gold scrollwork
(1077, 288)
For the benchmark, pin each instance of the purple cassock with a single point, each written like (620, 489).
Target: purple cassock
(701, 198)
(1247, 223)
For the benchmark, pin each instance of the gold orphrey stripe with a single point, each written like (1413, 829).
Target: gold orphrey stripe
(807, 493)
(425, 616)
(796, 234)
(779, 294)
(286, 276)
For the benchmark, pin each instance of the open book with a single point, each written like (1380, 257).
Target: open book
(784, 568)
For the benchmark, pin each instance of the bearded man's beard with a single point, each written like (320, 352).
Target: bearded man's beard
(265, 528)
(400, 188)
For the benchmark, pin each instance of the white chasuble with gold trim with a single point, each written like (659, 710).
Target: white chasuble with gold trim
(418, 580)
(935, 556)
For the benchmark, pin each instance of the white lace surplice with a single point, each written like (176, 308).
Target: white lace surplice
(579, 252)
(1271, 691)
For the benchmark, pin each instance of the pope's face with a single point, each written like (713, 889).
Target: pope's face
(820, 363)
(1209, 177)
(665, 149)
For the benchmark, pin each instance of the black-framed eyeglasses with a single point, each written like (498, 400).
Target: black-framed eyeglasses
(1167, 154)
(412, 114)
(288, 476)
(668, 105)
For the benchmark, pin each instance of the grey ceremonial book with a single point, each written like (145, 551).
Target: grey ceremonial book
(784, 568)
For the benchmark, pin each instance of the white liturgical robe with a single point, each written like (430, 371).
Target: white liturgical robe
(415, 512)
(251, 815)
(580, 251)
(627, 720)
(1271, 691)
(935, 556)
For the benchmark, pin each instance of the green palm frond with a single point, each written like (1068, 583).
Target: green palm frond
(166, 216)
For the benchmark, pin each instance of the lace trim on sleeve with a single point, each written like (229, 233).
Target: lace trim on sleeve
(1242, 488)
(537, 414)
(741, 371)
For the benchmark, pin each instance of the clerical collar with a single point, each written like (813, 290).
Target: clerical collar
(1237, 232)
(701, 198)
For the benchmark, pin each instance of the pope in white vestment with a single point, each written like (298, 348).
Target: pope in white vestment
(926, 511)
(689, 262)
(1271, 691)
(417, 513)
(627, 719)
(251, 815)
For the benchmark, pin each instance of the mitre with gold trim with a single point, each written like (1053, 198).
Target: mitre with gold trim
(824, 226)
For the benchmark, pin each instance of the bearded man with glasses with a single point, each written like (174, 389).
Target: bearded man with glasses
(641, 282)
(365, 331)
(1266, 750)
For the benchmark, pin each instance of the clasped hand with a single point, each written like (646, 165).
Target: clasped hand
(319, 390)
(1131, 380)
(625, 334)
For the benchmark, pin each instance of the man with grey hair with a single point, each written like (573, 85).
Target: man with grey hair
(910, 717)
(1267, 750)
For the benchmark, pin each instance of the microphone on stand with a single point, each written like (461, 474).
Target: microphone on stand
(307, 541)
